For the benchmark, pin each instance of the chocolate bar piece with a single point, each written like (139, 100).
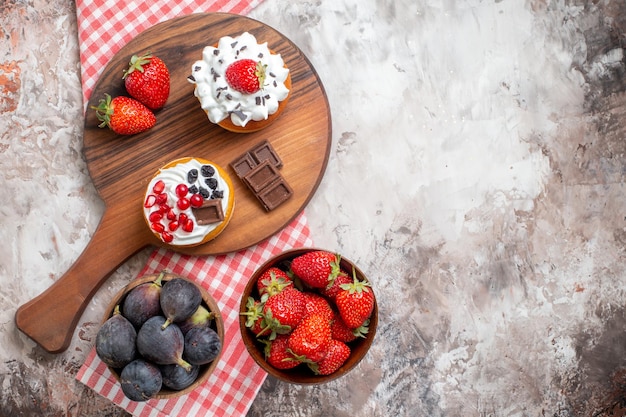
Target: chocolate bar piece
(209, 212)
(275, 194)
(261, 176)
(244, 164)
(262, 151)
(265, 152)
(258, 169)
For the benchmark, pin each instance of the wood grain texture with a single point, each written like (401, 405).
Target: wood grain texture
(121, 167)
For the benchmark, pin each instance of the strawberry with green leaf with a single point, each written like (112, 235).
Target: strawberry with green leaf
(283, 312)
(147, 79)
(277, 353)
(355, 302)
(255, 321)
(273, 281)
(246, 76)
(337, 354)
(317, 269)
(124, 115)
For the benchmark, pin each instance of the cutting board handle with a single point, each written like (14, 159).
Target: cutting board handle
(51, 318)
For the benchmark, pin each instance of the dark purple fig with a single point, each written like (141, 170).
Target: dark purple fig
(176, 378)
(142, 302)
(179, 300)
(201, 318)
(202, 345)
(115, 341)
(140, 380)
(159, 345)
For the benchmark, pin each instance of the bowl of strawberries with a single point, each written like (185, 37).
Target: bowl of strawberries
(308, 316)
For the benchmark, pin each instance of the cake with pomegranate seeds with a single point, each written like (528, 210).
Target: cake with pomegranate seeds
(188, 202)
(241, 85)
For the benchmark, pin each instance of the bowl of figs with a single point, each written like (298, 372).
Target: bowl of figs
(308, 316)
(161, 336)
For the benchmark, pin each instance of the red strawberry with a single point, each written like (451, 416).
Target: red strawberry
(273, 281)
(340, 331)
(254, 315)
(333, 289)
(318, 269)
(246, 76)
(283, 312)
(338, 353)
(124, 115)
(277, 353)
(355, 302)
(147, 79)
(316, 304)
(311, 338)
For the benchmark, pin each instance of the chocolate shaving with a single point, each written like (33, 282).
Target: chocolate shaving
(216, 52)
(239, 114)
(196, 68)
(232, 45)
(191, 78)
(260, 55)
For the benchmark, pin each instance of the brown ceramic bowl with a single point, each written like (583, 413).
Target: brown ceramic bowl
(302, 374)
(217, 325)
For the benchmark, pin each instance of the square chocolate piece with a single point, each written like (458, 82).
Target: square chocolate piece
(275, 194)
(209, 212)
(244, 164)
(265, 152)
(261, 176)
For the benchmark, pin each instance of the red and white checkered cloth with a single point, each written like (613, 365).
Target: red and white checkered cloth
(104, 27)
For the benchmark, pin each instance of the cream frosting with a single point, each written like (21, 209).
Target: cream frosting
(172, 177)
(218, 100)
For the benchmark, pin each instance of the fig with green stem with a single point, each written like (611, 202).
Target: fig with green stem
(162, 346)
(201, 318)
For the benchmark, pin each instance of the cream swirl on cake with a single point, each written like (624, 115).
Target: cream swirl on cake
(224, 103)
(178, 196)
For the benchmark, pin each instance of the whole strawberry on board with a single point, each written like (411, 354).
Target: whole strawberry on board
(147, 79)
(355, 302)
(317, 269)
(124, 115)
(246, 76)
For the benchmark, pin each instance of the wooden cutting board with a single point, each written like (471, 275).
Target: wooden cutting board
(121, 167)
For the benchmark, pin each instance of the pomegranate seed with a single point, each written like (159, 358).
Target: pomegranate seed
(158, 187)
(150, 201)
(173, 225)
(171, 214)
(161, 198)
(167, 237)
(157, 227)
(155, 216)
(183, 203)
(196, 200)
(181, 190)
(182, 218)
(164, 208)
(188, 225)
